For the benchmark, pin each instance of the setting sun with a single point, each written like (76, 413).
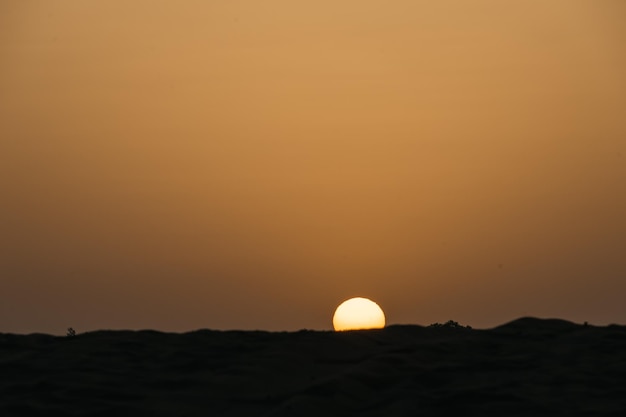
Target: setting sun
(358, 314)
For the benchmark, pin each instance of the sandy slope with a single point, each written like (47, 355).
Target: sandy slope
(528, 367)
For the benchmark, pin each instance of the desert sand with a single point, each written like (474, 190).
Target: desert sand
(528, 367)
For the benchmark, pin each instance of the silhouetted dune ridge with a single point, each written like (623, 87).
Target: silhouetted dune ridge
(527, 367)
(538, 323)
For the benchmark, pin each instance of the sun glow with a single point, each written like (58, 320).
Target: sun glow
(358, 314)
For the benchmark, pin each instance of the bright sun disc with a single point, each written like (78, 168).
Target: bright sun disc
(358, 314)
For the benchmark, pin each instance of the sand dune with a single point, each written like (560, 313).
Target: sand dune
(529, 367)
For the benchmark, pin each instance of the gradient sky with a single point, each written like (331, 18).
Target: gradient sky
(250, 164)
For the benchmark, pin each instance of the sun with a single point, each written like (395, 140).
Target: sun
(358, 314)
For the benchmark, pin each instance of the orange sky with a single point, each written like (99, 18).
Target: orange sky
(250, 165)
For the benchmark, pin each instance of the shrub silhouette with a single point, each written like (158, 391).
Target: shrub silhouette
(450, 324)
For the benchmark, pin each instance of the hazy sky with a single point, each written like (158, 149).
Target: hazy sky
(250, 164)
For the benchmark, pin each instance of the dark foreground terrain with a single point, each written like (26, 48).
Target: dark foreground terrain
(528, 367)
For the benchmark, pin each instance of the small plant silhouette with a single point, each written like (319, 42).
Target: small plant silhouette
(450, 324)
(70, 332)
